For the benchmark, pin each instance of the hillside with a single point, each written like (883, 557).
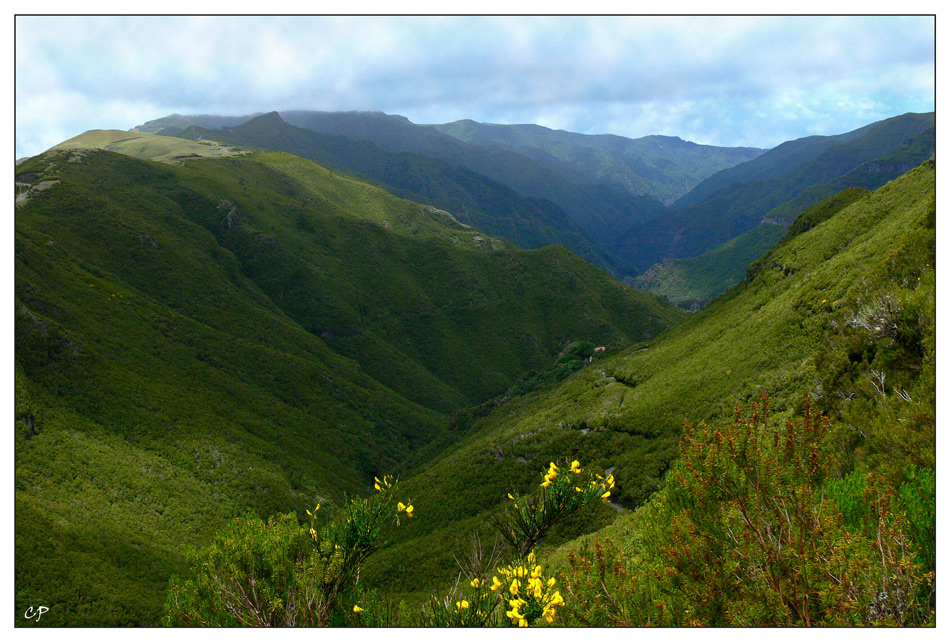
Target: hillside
(739, 198)
(471, 198)
(692, 283)
(158, 148)
(801, 326)
(253, 331)
(601, 210)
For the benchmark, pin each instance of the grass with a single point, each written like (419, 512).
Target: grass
(146, 146)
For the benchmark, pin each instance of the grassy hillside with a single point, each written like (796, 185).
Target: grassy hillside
(158, 148)
(601, 210)
(693, 282)
(802, 325)
(255, 332)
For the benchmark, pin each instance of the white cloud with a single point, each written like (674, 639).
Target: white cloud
(721, 80)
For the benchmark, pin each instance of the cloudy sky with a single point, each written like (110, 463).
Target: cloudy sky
(753, 81)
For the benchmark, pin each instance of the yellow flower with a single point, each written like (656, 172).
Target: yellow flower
(495, 583)
(400, 507)
(513, 589)
(377, 486)
(605, 496)
(476, 583)
(551, 582)
(556, 599)
(461, 605)
(409, 510)
(578, 489)
(510, 496)
(535, 587)
(314, 510)
(532, 558)
(575, 466)
(537, 572)
(356, 608)
(546, 483)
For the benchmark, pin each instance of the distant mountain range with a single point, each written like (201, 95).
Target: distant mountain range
(771, 190)
(604, 184)
(625, 205)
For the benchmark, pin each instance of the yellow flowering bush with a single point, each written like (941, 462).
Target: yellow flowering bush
(274, 573)
(526, 520)
(527, 593)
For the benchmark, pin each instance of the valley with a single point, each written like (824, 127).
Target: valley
(220, 319)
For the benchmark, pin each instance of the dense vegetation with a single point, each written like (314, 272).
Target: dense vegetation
(252, 332)
(802, 326)
(692, 283)
(205, 352)
(607, 198)
(473, 199)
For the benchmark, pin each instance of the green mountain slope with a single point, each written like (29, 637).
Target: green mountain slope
(692, 283)
(600, 209)
(663, 167)
(249, 331)
(737, 199)
(802, 325)
(473, 199)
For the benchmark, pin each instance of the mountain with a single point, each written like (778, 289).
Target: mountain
(248, 330)
(471, 198)
(847, 295)
(179, 122)
(663, 167)
(737, 199)
(601, 210)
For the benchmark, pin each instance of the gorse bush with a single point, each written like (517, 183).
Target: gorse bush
(527, 519)
(279, 573)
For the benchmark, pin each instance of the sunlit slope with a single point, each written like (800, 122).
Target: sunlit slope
(694, 282)
(146, 146)
(626, 411)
